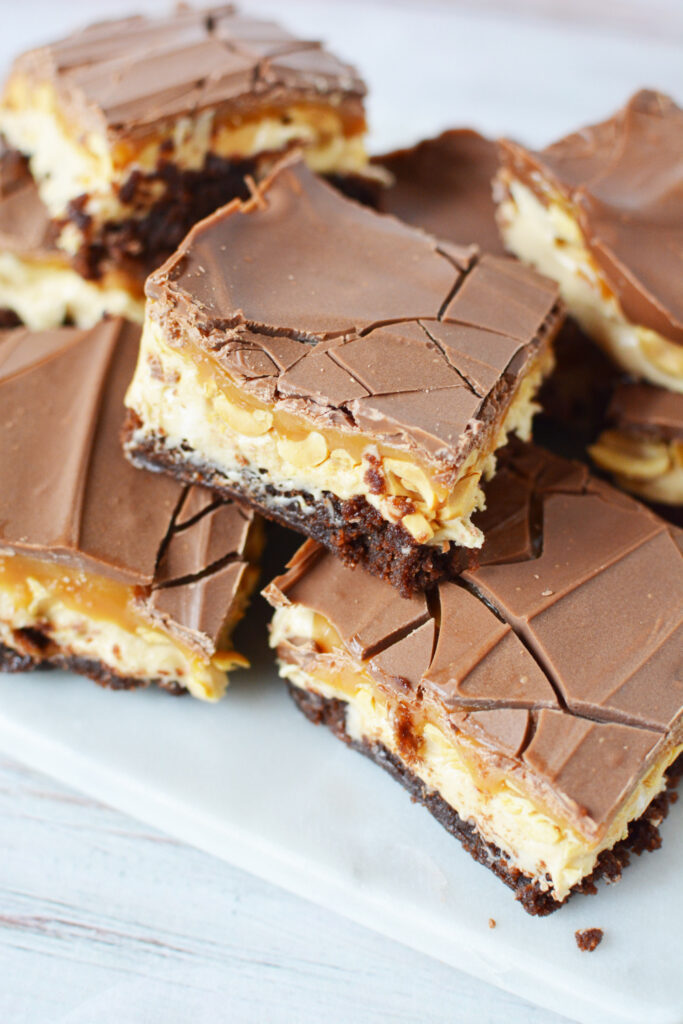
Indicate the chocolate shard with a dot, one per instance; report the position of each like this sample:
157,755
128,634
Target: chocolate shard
76,497
479,662
502,298
24,220
392,360
591,763
200,546
444,185
406,661
195,610
506,729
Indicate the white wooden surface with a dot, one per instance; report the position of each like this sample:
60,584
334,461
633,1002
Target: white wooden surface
105,920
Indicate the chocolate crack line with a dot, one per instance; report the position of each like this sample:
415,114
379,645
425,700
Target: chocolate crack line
196,577
596,714
217,503
468,383
384,643
166,539
457,285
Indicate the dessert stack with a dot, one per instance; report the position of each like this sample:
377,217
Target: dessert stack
485,619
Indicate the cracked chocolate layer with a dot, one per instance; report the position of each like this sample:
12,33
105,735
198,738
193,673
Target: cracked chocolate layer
643,833
561,652
391,377
422,347
87,544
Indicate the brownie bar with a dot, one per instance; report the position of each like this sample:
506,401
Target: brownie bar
643,833
139,126
537,697
386,381
126,577
601,212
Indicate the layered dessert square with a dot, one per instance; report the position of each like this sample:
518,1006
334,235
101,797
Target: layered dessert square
129,578
38,285
534,705
642,445
601,212
346,374
136,128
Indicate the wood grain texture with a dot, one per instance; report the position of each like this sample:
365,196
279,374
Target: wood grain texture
104,920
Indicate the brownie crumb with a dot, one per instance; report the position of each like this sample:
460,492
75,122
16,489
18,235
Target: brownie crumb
492,922
588,939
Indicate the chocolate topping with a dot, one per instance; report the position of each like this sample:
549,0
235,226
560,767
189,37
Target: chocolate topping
125,76
24,220
354,318
624,181
564,652
443,185
67,493
645,410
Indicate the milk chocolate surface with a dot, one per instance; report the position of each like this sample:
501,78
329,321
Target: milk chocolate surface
68,495
24,220
123,77
355,319
624,180
443,185
563,651
645,410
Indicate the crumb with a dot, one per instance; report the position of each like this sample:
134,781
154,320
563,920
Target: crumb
588,939
492,922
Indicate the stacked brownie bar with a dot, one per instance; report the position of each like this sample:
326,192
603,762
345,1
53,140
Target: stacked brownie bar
135,129
485,619
344,373
115,141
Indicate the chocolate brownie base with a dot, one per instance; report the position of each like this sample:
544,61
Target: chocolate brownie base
188,197
8,318
352,530
13,661
643,833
